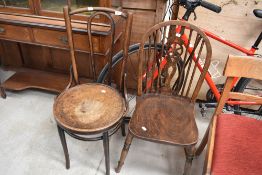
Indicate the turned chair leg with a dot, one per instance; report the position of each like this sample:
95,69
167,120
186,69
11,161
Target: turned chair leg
2,92
203,143
61,133
106,152
124,152
189,151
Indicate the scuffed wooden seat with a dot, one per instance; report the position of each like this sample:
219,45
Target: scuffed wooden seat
89,108
164,118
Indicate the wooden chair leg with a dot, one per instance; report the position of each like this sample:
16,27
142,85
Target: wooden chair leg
61,133
203,143
189,151
124,152
2,92
106,152
123,129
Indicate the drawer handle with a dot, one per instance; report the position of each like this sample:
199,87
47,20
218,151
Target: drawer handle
63,39
2,30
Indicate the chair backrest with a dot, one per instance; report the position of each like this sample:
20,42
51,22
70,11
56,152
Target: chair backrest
176,52
108,17
240,66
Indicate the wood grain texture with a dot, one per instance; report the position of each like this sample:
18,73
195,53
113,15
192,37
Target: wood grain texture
51,34
243,66
14,32
245,97
165,119
89,108
31,79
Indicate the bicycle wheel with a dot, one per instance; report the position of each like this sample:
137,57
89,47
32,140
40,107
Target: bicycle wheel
249,86
131,72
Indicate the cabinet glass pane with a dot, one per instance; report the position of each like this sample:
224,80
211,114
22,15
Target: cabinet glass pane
53,5
84,3
57,5
116,3
14,3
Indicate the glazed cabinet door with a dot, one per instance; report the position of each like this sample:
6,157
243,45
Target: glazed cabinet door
17,6
55,7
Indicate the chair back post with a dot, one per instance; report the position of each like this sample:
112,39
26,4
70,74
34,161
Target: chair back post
126,44
172,59
69,3
71,42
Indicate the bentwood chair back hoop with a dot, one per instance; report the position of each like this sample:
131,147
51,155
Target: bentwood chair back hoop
168,83
94,111
234,141
109,16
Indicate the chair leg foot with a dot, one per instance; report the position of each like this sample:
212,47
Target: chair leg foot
106,152
123,129
124,152
2,92
61,133
189,158
203,143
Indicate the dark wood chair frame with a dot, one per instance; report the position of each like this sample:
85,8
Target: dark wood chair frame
148,85
108,14
237,66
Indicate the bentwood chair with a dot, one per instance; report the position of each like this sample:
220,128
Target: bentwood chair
234,141
93,111
168,85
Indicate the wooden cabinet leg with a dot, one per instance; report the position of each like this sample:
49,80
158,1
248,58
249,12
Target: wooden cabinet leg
124,152
2,92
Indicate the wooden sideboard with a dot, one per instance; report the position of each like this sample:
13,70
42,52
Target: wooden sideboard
146,13
38,47
33,41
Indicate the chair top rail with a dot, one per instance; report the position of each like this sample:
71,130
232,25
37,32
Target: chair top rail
101,9
243,66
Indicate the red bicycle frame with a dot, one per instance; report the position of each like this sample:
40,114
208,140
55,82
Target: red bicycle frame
208,78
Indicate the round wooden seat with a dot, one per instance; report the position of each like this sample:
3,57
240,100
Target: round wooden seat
89,108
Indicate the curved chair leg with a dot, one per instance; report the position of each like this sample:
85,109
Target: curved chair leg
2,92
124,152
106,152
61,133
189,150
203,143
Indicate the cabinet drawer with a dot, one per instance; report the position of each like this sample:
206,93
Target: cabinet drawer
59,39
16,33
